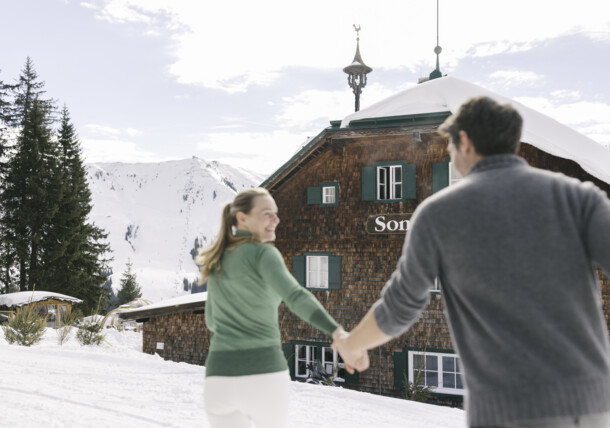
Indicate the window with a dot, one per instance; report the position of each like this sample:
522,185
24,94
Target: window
307,355
389,182
317,272
454,175
436,287
325,194
332,359
444,174
304,356
439,371
328,195
392,181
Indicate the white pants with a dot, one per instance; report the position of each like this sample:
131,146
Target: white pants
239,401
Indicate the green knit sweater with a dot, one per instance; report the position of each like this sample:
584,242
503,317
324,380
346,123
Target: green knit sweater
242,311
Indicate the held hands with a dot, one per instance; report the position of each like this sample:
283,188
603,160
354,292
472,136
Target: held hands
354,358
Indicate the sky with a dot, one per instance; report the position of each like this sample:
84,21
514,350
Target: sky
247,83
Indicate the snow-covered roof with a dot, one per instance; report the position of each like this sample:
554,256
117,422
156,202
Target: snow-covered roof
175,301
448,93
25,297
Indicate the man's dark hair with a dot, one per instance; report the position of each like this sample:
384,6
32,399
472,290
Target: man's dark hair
493,128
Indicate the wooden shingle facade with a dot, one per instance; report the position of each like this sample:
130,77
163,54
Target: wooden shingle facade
174,329
344,201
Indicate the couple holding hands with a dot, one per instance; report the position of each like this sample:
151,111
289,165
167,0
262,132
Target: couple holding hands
514,248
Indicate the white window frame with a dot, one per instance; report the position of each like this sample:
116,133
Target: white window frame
329,195
436,287
315,275
454,175
388,182
330,364
310,357
436,359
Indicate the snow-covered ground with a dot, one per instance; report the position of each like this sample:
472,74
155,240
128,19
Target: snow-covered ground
116,385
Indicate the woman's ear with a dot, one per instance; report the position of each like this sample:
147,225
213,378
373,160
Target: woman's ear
240,217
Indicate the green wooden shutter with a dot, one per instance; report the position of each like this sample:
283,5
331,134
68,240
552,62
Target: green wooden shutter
400,369
408,180
369,183
314,195
298,269
288,349
334,272
351,379
440,176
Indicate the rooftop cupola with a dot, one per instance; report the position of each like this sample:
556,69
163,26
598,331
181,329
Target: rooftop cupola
357,71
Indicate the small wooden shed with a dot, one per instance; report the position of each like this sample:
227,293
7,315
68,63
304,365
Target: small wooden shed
174,328
56,307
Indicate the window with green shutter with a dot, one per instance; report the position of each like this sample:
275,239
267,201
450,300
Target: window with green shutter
318,270
393,181
325,194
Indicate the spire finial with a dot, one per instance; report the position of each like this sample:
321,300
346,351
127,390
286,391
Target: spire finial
357,71
437,50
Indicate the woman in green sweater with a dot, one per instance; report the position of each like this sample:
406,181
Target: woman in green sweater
247,379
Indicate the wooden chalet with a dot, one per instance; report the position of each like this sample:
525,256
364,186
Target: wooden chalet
54,306
345,200
174,329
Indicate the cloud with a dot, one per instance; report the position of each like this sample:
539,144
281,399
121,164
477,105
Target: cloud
308,109
116,150
262,152
104,131
587,117
515,77
232,46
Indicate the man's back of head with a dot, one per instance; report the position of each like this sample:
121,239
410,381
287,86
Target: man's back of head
493,128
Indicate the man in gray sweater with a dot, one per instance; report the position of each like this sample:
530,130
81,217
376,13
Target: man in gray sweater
514,248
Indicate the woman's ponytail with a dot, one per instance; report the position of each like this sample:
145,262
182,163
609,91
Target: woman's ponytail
210,259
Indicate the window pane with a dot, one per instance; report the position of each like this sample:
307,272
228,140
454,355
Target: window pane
397,174
457,365
418,362
431,378
301,351
328,195
302,368
431,362
458,383
328,354
448,380
448,364
382,183
397,191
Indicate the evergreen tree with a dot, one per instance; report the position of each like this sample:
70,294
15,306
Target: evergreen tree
30,195
130,289
30,183
75,255
6,259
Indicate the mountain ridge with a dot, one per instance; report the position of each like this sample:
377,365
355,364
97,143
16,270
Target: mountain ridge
157,214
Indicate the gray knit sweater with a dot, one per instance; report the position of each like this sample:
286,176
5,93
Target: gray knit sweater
515,249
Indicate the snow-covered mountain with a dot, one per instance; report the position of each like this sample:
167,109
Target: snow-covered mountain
156,214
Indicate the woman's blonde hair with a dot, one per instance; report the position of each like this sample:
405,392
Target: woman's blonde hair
210,258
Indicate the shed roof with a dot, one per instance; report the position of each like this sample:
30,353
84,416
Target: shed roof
26,297
188,302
